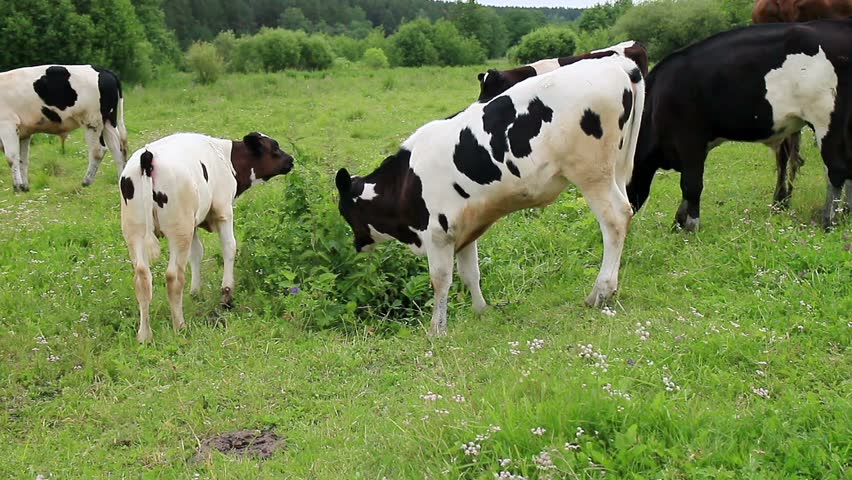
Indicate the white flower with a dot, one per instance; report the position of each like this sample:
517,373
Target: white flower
538,431
431,397
471,448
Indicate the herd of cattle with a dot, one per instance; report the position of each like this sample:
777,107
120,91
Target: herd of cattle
599,120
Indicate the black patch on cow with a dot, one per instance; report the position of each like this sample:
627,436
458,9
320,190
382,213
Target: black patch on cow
55,88
204,171
635,75
127,189
513,168
527,126
51,115
474,161
161,198
442,219
496,118
146,161
109,88
591,124
627,103
461,191
103,143
621,143
586,56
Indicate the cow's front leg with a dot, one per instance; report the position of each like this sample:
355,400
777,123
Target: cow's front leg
229,252
96,153
12,147
196,253
691,185
25,164
832,204
613,212
468,260
441,273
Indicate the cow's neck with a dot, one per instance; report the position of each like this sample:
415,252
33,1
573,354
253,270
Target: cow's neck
241,160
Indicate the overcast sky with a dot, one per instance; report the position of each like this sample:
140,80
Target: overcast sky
541,3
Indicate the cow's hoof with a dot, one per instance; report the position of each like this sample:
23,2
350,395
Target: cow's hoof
16,188
144,336
687,224
437,331
480,309
86,183
599,298
227,298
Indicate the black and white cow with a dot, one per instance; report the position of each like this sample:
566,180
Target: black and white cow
759,83
181,182
453,178
58,99
494,82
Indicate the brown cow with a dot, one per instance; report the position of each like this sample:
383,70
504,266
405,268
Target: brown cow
770,11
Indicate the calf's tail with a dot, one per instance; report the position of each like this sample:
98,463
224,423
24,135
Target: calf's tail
631,133
137,213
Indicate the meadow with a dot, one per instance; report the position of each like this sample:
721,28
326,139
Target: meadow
725,355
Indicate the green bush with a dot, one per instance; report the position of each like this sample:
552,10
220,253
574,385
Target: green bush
226,45
302,253
547,42
347,47
594,39
279,49
375,58
410,46
315,54
205,62
452,47
668,25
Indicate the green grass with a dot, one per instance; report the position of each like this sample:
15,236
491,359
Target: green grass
755,300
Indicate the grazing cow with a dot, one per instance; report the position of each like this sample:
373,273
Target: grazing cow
453,178
58,99
494,82
755,84
769,11
181,182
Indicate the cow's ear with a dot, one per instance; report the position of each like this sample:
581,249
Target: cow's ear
343,181
481,77
254,142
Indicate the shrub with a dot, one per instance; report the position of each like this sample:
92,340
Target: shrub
301,252
226,45
315,53
410,45
347,47
452,47
668,25
547,42
375,58
280,49
205,62
595,39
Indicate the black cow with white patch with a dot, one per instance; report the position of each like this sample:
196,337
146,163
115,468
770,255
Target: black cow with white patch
494,82
57,99
759,83
453,178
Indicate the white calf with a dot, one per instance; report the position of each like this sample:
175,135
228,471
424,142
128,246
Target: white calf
181,182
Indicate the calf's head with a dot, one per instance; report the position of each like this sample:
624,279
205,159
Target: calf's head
492,83
356,211
257,159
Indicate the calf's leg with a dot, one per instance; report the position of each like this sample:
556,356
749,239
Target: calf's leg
96,153
225,227
691,186
441,273
112,138
837,173
196,253
141,279
25,163
12,146
613,212
468,260
787,160
179,246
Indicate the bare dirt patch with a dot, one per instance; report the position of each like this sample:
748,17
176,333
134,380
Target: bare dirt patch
256,443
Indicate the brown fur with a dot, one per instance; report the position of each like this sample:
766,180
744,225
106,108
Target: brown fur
770,11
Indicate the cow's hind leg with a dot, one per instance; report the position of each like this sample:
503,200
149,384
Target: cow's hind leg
141,280
441,274
613,212
692,154
112,138
787,160
196,253
12,147
837,173
180,240
468,260
96,152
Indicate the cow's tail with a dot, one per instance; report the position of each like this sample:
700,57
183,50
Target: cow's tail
631,133
137,213
122,129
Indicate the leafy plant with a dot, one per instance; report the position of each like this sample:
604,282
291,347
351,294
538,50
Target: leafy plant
205,62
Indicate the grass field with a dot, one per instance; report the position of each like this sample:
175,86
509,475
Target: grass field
726,355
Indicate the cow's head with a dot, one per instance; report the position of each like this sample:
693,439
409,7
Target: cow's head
258,159
492,83
351,189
